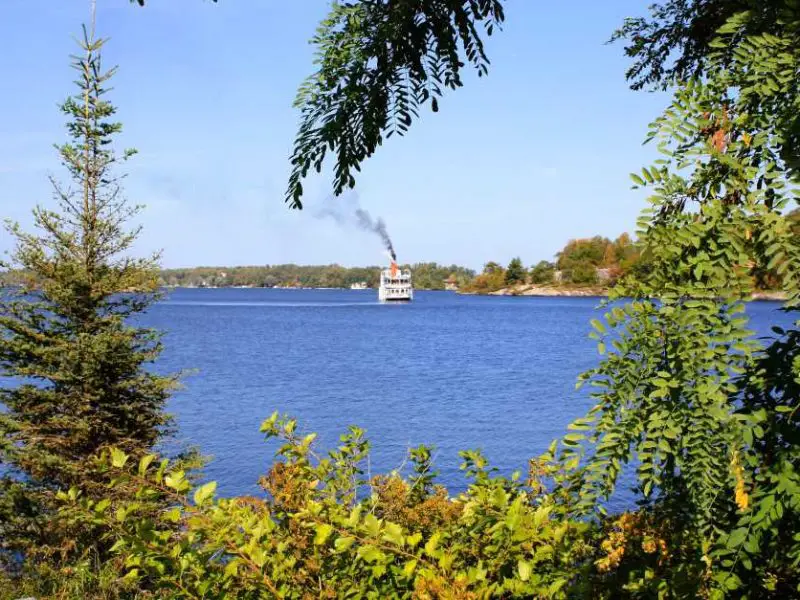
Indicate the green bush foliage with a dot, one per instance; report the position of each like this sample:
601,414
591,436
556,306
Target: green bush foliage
542,272
492,278
580,259
322,530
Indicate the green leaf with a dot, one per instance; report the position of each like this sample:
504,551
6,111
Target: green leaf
370,554
598,325
144,463
258,556
355,515
573,438
432,544
177,481
343,543
408,568
736,538
578,425
231,569
323,531
204,492
118,458
173,515
698,270
524,570
372,524
268,424
392,532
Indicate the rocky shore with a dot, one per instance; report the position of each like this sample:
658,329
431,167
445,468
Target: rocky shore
590,292
770,296
543,290
548,290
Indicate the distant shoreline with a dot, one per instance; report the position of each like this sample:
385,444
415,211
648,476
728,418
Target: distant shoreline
517,291
281,287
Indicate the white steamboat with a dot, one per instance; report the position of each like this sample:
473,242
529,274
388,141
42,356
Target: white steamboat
395,285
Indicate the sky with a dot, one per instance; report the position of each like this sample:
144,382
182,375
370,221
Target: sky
513,164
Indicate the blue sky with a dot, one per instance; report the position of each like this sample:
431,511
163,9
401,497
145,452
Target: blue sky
513,164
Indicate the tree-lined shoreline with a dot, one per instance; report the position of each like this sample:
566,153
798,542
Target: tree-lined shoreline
426,276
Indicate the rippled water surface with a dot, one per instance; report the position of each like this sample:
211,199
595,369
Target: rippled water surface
453,371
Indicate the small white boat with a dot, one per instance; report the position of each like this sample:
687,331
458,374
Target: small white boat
395,285
361,285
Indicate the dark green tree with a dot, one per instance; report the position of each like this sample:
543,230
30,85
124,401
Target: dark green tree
78,377
543,272
582,274
515,273
492,267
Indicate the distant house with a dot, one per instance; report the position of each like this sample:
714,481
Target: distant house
451,284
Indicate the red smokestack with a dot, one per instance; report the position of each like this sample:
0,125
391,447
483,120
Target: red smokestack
394,269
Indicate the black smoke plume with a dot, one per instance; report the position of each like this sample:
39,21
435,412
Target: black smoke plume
363,219
365,222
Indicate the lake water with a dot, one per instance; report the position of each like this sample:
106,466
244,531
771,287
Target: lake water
458,372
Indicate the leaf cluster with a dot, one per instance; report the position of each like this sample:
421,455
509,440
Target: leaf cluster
378,63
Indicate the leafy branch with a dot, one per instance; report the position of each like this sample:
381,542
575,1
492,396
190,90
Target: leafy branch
379,62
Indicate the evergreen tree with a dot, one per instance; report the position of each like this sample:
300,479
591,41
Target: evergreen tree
74,367
515,273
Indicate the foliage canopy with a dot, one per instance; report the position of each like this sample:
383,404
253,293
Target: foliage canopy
706,410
